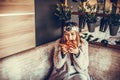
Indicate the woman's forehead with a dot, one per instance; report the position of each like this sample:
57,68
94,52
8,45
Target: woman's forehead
71,31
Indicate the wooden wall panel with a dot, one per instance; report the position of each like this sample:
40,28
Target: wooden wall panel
17,30
16,6
16,33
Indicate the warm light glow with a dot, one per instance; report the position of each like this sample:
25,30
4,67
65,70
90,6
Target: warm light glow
16,14
65,3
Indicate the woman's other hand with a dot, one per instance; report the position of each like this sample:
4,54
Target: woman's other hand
74,50
64,48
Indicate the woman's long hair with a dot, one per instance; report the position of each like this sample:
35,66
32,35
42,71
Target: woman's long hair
78,40
63,41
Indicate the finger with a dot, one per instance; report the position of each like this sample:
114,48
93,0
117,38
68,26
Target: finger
71,51
71,48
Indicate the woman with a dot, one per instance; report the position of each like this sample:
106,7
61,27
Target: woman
71,56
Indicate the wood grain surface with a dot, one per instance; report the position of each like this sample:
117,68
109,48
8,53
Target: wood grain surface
17,30
16,6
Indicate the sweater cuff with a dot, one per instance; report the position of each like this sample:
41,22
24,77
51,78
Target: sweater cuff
76,55
62,54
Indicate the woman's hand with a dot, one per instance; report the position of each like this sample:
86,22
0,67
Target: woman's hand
74,50
64,50
69,49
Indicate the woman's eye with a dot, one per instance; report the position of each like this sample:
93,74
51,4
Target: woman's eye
72,34
66,34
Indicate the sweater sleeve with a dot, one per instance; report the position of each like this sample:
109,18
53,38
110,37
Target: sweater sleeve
59,58
83,58
86,55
